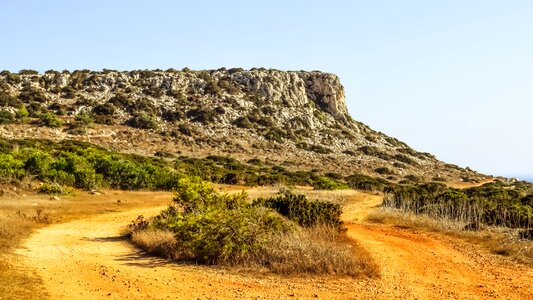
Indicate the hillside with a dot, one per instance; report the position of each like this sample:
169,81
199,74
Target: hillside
296,119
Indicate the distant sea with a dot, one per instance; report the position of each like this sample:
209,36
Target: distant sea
524,178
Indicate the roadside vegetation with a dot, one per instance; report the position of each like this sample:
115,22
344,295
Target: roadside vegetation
491,204
86,166
285,234
503,241
496,216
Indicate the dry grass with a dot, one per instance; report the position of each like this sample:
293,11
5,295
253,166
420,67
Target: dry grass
317,250
155,241
497,240
15,282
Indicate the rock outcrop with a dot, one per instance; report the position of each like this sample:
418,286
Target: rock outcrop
295,118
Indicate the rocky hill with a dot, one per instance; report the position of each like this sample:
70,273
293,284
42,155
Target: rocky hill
296,119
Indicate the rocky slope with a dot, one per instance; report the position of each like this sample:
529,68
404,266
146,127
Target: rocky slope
296,119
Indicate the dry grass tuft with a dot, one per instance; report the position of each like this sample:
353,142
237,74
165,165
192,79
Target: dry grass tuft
15,282
156,241
319,250
498,240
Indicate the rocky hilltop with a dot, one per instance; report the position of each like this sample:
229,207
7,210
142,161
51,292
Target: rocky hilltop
296,119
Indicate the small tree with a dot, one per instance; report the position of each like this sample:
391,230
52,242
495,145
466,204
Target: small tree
6,117
82,122
50,120
143,121
22,114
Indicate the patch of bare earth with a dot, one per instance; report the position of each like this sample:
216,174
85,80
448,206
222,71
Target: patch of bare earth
428,266
22,212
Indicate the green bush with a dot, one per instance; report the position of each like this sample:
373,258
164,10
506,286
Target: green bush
384,171
314,148
105,109
301,210
144,121
243,122
202,115
11,168
489,204
28,72
212,228
31,94
55,162
172,115
22,114
6,117
82,122
325,183
367,183
53,189
6,99
49,120
405,159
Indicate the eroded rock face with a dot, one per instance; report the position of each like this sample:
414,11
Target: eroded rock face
293,116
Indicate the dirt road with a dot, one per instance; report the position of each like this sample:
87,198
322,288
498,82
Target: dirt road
427,266
88,259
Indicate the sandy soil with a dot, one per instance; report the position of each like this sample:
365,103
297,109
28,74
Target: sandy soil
88,259
428,266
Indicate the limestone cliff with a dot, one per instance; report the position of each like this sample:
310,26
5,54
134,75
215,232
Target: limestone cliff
295,118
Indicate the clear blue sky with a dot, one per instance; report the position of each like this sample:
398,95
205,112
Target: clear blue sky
454,78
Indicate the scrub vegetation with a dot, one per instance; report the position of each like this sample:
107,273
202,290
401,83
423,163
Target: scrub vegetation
285,234
491,204
87,166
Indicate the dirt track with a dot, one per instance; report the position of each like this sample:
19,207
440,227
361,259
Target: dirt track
428,266
88,259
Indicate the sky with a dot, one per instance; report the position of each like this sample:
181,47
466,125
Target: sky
453,78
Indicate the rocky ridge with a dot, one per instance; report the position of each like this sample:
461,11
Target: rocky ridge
293,118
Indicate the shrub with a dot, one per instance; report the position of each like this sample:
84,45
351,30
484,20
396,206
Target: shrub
243,122
366,183
172,115
301,210
11,78
405,159
28,72
488,204
68,92
22,114
30,94
314,148
10,168
202,115
53,189
185,129
325,183
206,227
120,100
6,117
49,120
275,134
374,151
82,121
6,99
144,121
104,109
212,228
